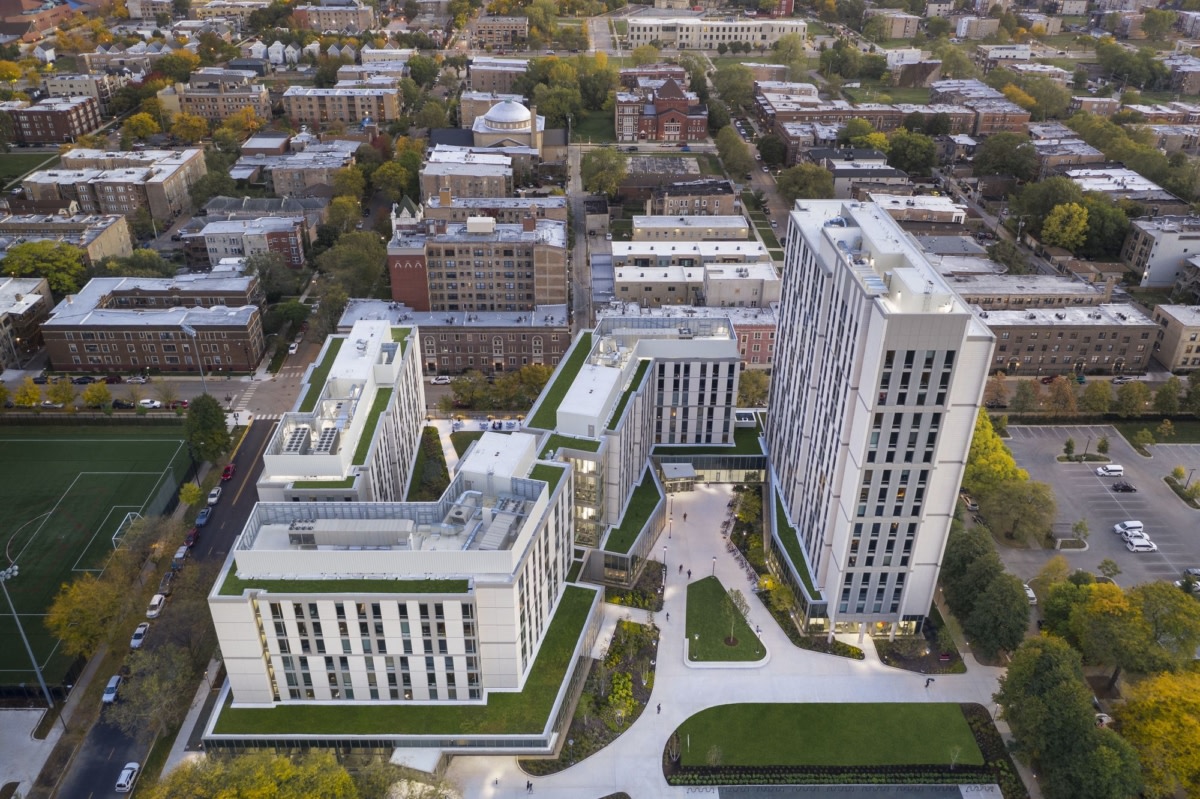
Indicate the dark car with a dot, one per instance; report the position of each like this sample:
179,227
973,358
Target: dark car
41,380
122,405
192,537
1048,379
995,403
113,379
1124,488
82,380
203,516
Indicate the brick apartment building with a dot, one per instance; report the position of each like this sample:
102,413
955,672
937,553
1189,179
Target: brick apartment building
500,31
237,238
101,86
662,113
707,196
312,106
335,15
55,120
216,94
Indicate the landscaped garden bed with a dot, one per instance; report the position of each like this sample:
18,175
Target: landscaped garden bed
932,652
646,594
614,696
716,628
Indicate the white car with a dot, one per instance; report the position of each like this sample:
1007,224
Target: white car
1121,528
139,635
1141,545
1029,593
440,380
293,348
156,606
137,379
1111,470
111,690
1122,380
214,496
151,404
128,777
1134,535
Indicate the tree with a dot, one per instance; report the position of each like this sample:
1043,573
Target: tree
1171,625
344,213
1061,397
62,392
392,180
772,149
1156,23
422,70
1069,447
602,170
1166,399
1131,399
178,65
1020,509
150,705
1161,720
28,394
855,128
432,115
213,184
97,395
1010,255
356,263
191,494
734,153
914,153
1000,617
265,775
1028,396
646,54
82,613
1108,226
1006,154
805,182
970,560
1097,396
191,128
205,429
1165,429
1107,629
1066,226
989,461
349,182
61,264
140,126
736,608
752,388
735,84
996,391
1102,445
1037,200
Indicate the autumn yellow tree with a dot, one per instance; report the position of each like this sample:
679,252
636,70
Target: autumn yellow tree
139,126
191,128
989,462
28,394
1161,718
1019,96
82,613
1066,226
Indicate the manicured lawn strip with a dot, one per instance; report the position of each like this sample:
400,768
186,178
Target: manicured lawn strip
791,544
595,127
505,713
643,502
18,165
833,734
557,441
400,336
234,585
1187,431
745,442
347,483
431,474
316,383
382,397
776,255
708,626
642,366
463,439
549,473
621,229
547,415
768,237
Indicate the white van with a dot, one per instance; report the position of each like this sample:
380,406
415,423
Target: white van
1111,470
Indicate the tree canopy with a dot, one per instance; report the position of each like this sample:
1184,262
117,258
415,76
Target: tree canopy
602,170
61,264
805,182
205,429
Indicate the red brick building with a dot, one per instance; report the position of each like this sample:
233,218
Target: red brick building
631,75
408,271
55,120
660,111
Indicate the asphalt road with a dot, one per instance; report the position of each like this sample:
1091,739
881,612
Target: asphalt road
95,769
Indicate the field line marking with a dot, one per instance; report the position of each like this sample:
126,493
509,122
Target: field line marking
52,511
90,541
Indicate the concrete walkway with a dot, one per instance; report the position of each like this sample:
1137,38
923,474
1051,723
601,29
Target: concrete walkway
633,762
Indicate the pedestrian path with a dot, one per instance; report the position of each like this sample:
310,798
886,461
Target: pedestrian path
241,402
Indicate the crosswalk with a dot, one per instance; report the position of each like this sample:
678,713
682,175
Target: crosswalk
241,407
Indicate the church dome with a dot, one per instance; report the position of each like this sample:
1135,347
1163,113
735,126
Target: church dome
508,115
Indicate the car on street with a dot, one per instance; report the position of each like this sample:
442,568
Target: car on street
50,404
137,379
1121,528
1134,535
1111,470
1122,380
971,505
1048,379
293,348
766,169
1029,594
181,404
440,380
203,516
164,585
1141,545
41,380
1123,487
155,608
150,404
1188,585
114,379
192,537
123,405
128,777
82,380
110,691
228,472
214,496
139,635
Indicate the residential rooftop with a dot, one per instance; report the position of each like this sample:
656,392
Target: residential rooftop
1187,315
721,251
1118,314
399,314
19,294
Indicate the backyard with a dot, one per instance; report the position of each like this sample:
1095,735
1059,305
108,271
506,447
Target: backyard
17,165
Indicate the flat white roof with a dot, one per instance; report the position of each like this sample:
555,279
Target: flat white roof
1119,314
697,221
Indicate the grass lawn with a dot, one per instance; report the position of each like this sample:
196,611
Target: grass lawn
463,439
431,475
791,543
622,27
831,734
710,164
316,382
597,126
1186,432
872,91
768,237
643,502
504,714
234,586
547,416
745,442
18,165
621,229
638,375
708,609
556,442
64,492
382,397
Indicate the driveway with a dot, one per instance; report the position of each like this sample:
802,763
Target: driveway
1082,494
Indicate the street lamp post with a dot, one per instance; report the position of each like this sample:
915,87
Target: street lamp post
664,556
188,330
1189,480
6,575
714,570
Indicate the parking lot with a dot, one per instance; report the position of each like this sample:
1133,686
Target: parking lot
1082,494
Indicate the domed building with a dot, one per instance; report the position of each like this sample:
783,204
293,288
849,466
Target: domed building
509,124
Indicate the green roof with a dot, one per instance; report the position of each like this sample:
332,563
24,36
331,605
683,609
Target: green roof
383,396
791,544
557,441
510,713
642,366
400,335
234,585
546,417
548,472
316,383
643,502
346,483
745,442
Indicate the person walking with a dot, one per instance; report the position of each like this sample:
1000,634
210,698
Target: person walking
528,786
668,617
689,574
660,708
681,568
928,681
685,517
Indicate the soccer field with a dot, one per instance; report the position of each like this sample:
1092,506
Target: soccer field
65,493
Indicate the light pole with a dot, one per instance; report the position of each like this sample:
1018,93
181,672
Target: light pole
188,330
664,557
6,575
1086,447
1189,480
714,571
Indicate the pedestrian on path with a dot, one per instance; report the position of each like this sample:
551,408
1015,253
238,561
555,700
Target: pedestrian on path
928,681
689,574
660,708
685,517
668,617
681,568
528,786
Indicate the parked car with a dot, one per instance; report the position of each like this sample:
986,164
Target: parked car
151,404
971,504
165,584
82,380
1124,488
1111,470
123,405
293,348
1124,527
50,404
214,496
41,380
182,404
139,635
1122,380
1141,545
1048,379
1134,535
203,516
1029,593
155,608
228,472
128,777
113,379
440,380
138,379
192,537
1188,585
110,691
1192,572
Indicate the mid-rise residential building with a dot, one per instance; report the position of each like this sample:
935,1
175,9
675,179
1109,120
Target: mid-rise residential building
1117,182
124,324
24,304
754,328
879,373
1100,106
1156,248
470,175
976,27
149,9
313,106
695,33
100,86
920,208
349,16
293,173
1100,339
1054,154
897,24
239,10
56,120
314,210
488,31
103,182
505,210
216,94
1177,342
717,285
661,111
690,227
97,236
1018,292
1006,55
138,57
706,197
486,74
1049,72
241,238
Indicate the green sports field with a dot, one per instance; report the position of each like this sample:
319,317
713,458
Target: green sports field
65,493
